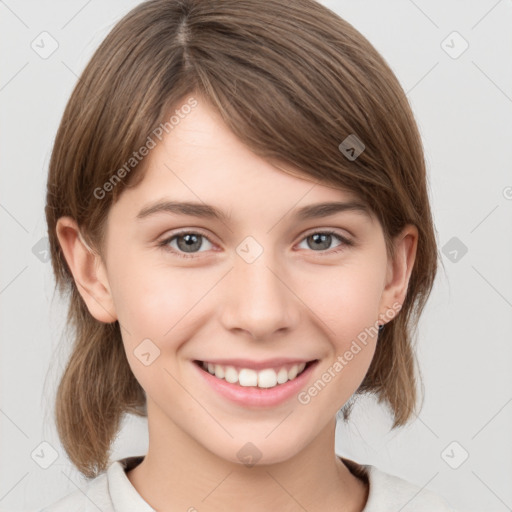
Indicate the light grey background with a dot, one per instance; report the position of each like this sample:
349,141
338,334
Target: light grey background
463,107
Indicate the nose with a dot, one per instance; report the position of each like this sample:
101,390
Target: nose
258,298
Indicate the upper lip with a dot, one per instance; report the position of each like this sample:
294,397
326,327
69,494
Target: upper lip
258,365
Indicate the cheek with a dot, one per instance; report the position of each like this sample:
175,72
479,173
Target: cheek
345,298
346,309
158,301
154,300
157,304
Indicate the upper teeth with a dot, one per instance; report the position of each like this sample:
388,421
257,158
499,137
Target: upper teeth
267,378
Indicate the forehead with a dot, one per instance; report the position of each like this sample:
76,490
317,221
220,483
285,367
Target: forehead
200,160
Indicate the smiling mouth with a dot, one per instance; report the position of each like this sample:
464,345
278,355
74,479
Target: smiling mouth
264,378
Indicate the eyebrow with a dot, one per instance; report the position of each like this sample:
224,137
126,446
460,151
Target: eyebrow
203,210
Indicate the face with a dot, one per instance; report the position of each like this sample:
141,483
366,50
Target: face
259,288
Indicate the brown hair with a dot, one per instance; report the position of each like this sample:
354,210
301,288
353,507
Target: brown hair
292,81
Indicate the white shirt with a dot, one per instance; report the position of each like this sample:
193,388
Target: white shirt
112,491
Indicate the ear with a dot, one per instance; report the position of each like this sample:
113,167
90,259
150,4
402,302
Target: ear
399,270
88,271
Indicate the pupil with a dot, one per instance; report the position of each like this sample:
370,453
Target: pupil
321,237
190,240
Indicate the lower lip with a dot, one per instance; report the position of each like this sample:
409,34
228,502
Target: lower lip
254,396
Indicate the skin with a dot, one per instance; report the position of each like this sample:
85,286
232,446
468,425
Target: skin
294,300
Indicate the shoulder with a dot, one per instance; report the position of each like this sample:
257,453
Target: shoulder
94,496
389,493
108,492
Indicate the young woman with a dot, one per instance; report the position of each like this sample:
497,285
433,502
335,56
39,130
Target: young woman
237,204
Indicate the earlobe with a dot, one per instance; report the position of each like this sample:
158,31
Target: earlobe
88,271
400,269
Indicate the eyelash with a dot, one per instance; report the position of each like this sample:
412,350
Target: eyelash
164,243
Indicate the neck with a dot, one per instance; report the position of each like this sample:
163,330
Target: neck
180,474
